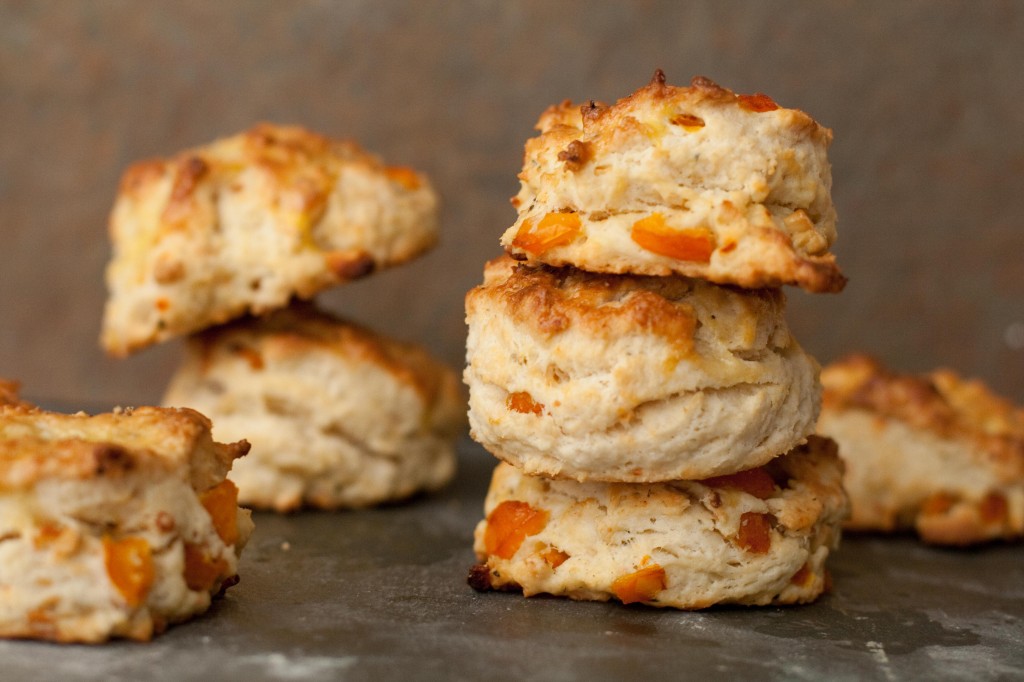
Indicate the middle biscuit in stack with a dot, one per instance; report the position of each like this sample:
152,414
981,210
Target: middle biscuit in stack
655,416
600,377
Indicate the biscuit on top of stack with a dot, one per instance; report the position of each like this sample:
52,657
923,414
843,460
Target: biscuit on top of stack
219,243
634,370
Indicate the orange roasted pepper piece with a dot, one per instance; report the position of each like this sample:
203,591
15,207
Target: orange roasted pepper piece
688,121
554,229
509,524
653,234
202,571
758,103
221,503
803,577
406,177
756,482
993,508
643,585
129,564
755,533
48,533
554,557
937,503
521,401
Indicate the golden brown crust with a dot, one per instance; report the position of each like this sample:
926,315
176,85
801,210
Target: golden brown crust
39,445
302,164
601,121
550,300
939,401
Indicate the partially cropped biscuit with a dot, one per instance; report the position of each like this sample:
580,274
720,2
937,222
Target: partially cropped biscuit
696,181
627,378
931,453
756,537
248,222
114,525
337,416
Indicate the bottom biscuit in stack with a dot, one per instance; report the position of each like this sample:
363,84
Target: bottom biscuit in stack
337,415
757,537
114,525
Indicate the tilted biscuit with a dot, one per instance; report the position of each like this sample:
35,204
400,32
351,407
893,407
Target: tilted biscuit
695,181
932,452
337,415
114,525
756,537
248,222
630,378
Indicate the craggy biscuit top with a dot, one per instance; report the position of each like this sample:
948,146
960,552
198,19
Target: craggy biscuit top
37,445
297,169
658,109
939,401
696,180
676,309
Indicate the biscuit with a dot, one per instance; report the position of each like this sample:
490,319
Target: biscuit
337,415
114,525
932,453
757,537
695,181
629,378
248,222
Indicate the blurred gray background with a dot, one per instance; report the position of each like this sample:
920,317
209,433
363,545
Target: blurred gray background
926,100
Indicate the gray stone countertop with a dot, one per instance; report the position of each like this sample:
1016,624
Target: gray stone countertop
381,594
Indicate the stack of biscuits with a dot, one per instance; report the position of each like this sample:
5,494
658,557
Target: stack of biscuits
629,362
227,243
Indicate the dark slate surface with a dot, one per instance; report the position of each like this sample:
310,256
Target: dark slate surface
381,595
